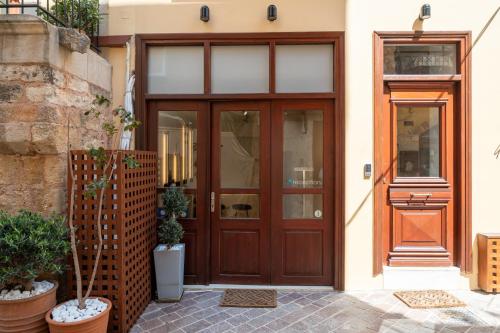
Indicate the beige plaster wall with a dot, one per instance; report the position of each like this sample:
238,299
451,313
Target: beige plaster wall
167,16
364,17
117,57
359,19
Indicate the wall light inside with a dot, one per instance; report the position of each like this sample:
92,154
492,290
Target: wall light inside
204,13
425,12
272,13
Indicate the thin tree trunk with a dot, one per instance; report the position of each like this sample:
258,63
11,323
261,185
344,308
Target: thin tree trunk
27,284
74,252
111,162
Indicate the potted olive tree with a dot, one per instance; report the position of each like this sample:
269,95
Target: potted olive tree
30,246
169,254
86,313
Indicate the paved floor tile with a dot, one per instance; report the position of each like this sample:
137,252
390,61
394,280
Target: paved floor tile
197,326
218,328
150,324
321,312
260,321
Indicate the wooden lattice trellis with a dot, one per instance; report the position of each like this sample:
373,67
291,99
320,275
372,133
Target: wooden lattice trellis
129,234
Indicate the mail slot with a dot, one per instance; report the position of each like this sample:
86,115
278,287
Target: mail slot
413,195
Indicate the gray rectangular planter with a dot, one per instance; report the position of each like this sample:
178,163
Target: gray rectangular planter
169,266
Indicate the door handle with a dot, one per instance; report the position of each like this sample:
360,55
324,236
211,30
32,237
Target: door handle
412,194
212,202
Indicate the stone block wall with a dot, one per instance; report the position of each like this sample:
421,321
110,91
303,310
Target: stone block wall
44,91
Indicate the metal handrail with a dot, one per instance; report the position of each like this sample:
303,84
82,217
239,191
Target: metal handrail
7,5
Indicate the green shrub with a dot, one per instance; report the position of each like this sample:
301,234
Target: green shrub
175,204
170,232
79,14
30,245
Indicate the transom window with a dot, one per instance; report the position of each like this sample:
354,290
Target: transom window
241,69
175,70
420,59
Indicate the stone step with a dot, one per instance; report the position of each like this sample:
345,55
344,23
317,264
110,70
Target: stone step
418,278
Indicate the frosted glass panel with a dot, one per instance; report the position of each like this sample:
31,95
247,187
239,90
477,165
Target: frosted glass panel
304,68
240,69
175,70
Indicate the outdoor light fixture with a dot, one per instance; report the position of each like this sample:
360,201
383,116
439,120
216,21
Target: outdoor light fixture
204,13
272,13
425,12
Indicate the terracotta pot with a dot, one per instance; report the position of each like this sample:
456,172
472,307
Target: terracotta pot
97,324
27,315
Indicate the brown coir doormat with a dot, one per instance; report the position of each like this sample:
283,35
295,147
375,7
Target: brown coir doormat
249,298
426,299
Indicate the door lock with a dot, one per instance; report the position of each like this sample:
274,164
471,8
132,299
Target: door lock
212,202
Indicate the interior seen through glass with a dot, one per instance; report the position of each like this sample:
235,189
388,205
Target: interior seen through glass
302,206
303,148
240,149
177,148
239,206
418,131
177,154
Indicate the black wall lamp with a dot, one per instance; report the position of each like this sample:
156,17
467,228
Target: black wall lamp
272,13
425,12
204,13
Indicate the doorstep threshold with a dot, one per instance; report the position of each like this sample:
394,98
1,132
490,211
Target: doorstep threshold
195,287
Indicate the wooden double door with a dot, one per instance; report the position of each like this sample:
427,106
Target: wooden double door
272,192
260,183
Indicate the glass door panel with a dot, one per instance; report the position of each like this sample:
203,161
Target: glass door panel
302,192
240,149
303,148
240,192
418,132
178,132
177,154
238,206
302,206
